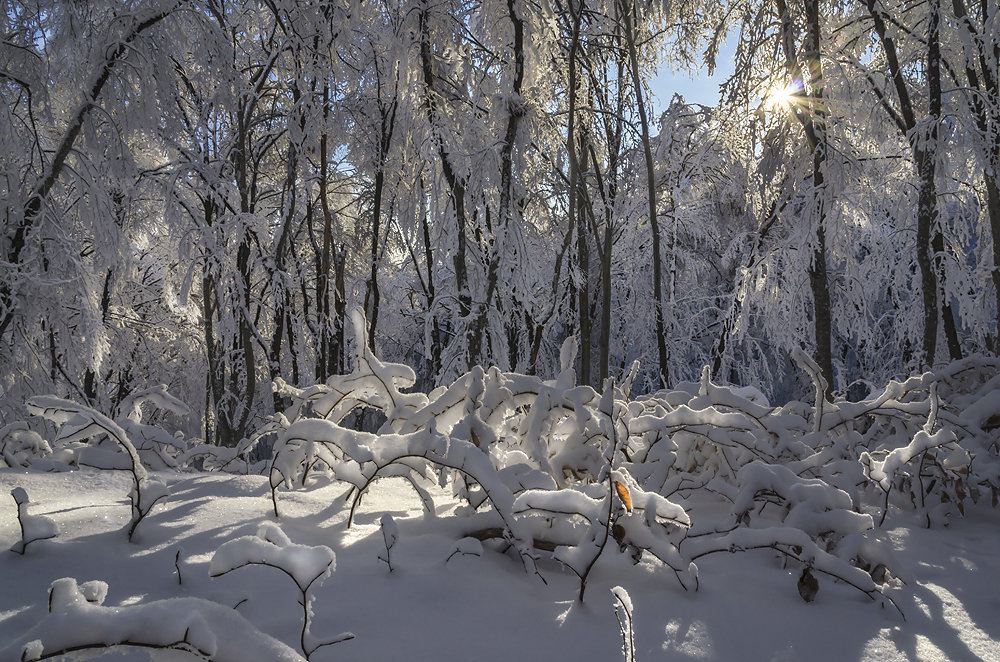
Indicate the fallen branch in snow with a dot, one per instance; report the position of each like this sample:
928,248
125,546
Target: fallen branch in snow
796,545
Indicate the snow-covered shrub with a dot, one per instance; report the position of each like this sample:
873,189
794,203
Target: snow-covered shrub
80,443
33,527
77,620
22,447
307,566
157,448
555,468
78,422
930,444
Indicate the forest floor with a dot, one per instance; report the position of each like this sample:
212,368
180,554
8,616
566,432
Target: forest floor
485,608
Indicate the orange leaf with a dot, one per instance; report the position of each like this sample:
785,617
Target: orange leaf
624,495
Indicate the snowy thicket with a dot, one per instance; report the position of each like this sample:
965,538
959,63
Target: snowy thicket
554,469
557,474
549,467
571,303
77,619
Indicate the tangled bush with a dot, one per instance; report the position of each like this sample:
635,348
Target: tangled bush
555,468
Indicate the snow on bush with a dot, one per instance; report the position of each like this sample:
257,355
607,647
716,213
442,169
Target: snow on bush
79,422
22,447
77,620
555,469
87,437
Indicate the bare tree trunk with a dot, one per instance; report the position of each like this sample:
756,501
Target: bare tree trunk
930,241
325,362
537,328
583,264
218,424
575,187
434,360
515,111
985,89
811,115
654,226
372,295
818,278
456,191
925,155
90,377
388,127
282,300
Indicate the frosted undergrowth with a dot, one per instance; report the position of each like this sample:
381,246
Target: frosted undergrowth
559,473
550,468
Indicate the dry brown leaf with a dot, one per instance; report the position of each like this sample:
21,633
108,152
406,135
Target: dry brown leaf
624,495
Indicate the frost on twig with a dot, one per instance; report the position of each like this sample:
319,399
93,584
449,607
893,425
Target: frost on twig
467,546
623,611
33,527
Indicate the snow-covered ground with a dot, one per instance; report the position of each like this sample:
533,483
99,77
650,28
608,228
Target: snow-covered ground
478,607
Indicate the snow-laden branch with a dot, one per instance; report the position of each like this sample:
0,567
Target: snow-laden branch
307,566
77,620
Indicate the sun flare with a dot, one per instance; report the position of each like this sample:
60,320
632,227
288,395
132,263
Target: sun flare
783,97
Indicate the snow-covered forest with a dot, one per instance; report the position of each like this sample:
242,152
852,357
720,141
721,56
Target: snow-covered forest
440,294
198,193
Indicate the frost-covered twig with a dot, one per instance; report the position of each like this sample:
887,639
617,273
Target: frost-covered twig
623,611
582,557
390,534
795,544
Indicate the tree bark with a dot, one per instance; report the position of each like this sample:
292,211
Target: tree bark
456,192
924,149
663,358
515,111
810,112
